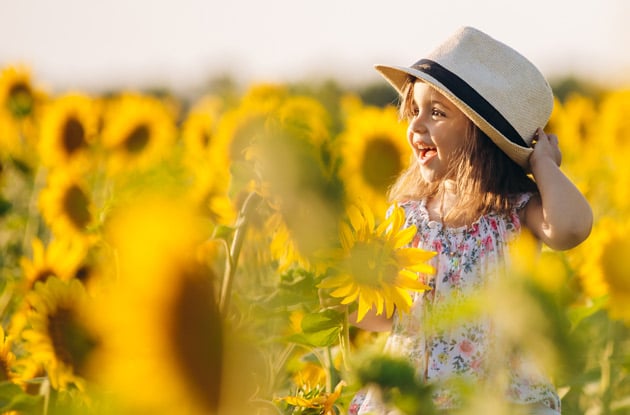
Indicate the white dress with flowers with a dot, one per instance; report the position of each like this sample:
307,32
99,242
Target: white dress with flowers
467,258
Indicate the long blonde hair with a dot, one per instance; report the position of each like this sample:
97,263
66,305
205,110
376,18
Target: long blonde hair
486,178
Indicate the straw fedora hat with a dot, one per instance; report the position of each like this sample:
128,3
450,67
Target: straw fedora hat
501,91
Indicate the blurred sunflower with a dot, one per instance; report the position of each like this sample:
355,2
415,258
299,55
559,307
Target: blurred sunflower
66,205
313,400
7,357
209,191
374,151
138,131
9,135
374,268
162,329
199,130
236,130
283,248
264,96
307,118
62,258
602,271
68,129
18,97
57,336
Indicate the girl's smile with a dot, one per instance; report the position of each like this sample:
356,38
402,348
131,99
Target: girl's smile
437,129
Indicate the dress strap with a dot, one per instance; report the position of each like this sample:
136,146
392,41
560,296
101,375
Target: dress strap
521,199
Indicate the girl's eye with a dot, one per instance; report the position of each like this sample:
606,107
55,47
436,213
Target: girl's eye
437,113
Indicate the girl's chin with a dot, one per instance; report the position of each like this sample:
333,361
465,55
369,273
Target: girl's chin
430,175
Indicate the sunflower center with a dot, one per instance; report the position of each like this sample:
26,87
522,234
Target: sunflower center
372,263
43,275
138,139
205,139
380,163
20,101
71,342
73,136
75,204
4,370
197,336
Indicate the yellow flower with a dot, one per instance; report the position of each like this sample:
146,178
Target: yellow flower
315,398
69,127
17,95
615,273
66,205
10,143
306,117
375,268
138,131
58,337
160,323
62,258
7,357
236,130
198,130
374,151
283,248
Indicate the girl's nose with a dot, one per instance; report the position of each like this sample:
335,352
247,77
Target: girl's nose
417,124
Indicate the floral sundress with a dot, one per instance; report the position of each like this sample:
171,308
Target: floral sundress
467,258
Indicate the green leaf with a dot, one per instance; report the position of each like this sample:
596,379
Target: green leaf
322,338
327,319
578,313
13,398
223,232
5,206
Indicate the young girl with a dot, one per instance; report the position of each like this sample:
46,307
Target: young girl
482,170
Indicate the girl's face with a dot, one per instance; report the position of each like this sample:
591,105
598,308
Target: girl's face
437,129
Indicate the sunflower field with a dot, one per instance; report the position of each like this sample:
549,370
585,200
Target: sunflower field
169,255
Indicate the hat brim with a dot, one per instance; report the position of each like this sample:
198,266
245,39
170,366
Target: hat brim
398,76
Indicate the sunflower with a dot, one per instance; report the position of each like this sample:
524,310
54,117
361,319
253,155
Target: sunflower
374,151
138,131
374,268
57,335
199,129
283,248
17,95
236,130
7,358
62,258
9,135
159,317
307,118
209,192
313,400
66,205
602,273
69,127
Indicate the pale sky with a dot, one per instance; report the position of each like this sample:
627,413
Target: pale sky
75,44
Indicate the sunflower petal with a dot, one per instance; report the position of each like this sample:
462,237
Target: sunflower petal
354,214
364,307
404,236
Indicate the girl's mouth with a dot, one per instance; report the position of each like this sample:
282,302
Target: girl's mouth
426,154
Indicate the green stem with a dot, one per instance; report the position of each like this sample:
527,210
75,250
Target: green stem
609,365
344,340
237,243
32,220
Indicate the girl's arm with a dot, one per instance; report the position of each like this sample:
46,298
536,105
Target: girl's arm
561,217
371,321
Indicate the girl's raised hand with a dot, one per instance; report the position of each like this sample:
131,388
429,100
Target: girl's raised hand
545,147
